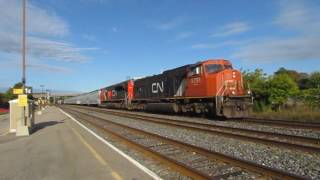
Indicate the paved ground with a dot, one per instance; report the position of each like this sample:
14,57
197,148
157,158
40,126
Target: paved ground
61,149
4,124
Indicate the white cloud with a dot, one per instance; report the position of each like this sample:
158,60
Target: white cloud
14,63
171,24
297,15
273,50
293,16
43,48
232,29
42,28
39,21
50,68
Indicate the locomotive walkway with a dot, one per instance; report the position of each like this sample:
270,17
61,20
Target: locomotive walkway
62,149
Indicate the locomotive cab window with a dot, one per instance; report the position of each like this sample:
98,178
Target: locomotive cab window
228,66
212,68
195,71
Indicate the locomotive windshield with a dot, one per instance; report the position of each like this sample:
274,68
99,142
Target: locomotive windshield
212,68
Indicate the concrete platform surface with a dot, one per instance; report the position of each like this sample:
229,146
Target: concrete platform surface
61,149
4,124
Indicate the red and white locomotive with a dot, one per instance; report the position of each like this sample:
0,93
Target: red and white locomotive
209,87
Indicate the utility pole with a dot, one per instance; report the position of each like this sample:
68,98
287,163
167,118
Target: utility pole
24,44
42,86
24,56
23,127
42,97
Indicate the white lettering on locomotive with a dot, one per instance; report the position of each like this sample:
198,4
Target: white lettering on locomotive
195,81
157,87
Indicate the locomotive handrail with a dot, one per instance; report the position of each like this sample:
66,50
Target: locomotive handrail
223,85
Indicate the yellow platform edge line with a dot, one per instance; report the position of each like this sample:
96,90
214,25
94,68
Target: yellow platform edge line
96,154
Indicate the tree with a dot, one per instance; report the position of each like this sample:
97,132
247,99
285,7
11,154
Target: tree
257,81
9,94
1,99
305,83
315,80
281,87
302,79
311,97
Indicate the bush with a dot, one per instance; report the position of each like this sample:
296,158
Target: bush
311,97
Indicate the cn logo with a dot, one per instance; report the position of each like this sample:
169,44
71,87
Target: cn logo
157,87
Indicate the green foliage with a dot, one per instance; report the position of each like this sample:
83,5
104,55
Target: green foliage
281,87
311,97
9,94
294,75
4,98
310,81
315,80
271,90
304,80
256,81
275,90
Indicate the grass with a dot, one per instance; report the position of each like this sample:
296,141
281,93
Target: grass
302,115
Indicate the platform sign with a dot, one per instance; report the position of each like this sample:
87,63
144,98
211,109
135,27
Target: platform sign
17,91
23,100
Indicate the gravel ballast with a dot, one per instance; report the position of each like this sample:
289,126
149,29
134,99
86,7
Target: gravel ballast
296,162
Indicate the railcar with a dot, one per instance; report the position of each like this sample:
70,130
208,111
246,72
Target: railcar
90,99
209,87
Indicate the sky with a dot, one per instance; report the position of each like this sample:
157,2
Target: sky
82,45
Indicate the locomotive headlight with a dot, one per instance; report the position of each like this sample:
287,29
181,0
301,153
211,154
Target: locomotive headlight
234,74
249,92
233,92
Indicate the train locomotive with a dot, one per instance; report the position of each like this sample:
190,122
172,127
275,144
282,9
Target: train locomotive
209,87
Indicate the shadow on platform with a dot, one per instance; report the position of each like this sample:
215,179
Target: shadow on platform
43,125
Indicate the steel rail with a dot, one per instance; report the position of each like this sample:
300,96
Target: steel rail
175,165
255,136
284,123
245,164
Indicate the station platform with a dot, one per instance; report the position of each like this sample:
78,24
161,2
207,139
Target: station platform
61,149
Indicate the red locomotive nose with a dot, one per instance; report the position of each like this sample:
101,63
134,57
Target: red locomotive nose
232,82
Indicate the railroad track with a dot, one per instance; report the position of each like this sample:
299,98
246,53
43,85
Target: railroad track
189,160
305,144
284,123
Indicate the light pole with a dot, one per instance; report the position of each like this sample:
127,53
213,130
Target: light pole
42,97
23,44
42,86
24,57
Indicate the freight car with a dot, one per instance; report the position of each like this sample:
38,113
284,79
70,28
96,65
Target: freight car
209,87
